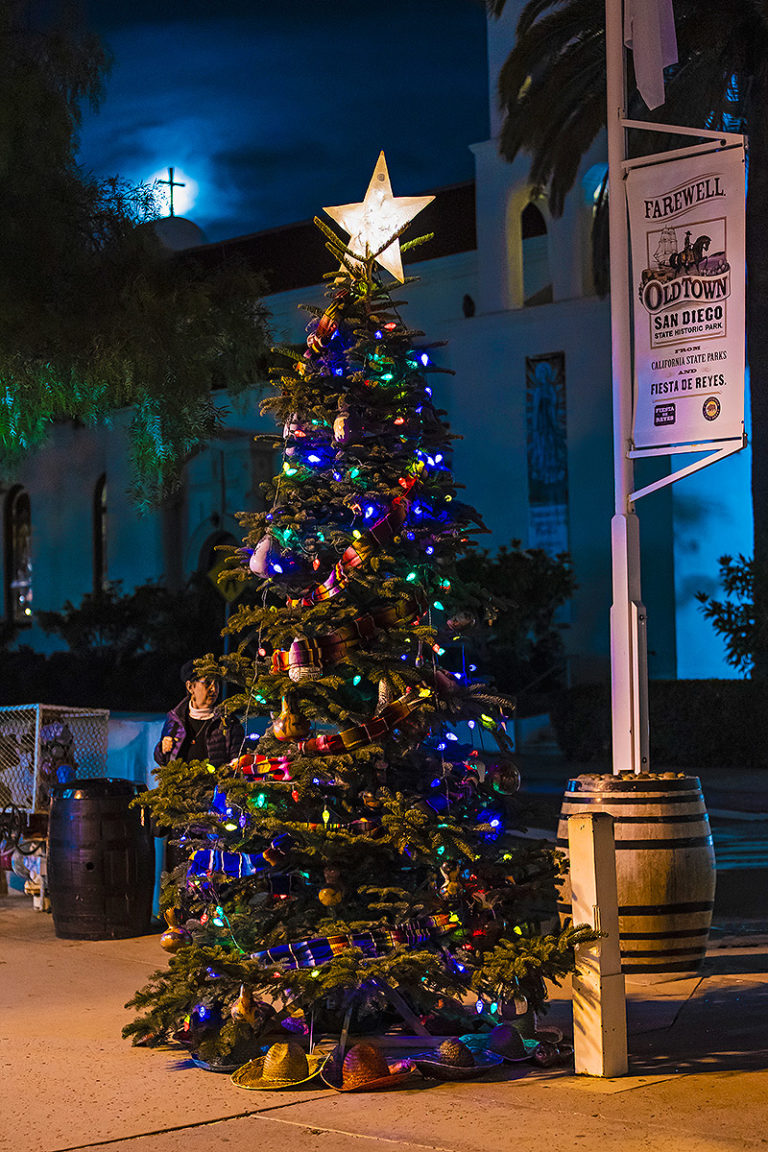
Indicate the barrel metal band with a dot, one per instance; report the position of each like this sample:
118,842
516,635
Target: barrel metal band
671,818
575,785
669,966
647,845
665,909
612,798
660,953
682,934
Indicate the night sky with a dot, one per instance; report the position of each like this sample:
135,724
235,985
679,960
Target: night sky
275,110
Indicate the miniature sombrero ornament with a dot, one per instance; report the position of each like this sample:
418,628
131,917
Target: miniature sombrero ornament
363,1069
281,1066
454,1060
504,1041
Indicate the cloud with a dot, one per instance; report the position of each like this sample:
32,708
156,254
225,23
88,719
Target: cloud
278,111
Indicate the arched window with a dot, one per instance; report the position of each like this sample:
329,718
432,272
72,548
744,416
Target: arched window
100,534
537,281
18,556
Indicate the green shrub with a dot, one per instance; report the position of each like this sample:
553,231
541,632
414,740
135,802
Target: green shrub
694,723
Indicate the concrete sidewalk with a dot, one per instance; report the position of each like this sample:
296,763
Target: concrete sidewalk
699,1070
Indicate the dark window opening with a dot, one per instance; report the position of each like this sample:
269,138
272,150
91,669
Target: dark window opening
18,556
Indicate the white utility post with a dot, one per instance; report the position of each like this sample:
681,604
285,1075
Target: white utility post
629,672
599,1005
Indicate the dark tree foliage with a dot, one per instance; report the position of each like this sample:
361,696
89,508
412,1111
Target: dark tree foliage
734,617
521,648
124,649
94,314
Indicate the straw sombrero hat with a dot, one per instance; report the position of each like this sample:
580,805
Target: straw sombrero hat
454,1060
548,1054
281,1066
363,1069
504,1041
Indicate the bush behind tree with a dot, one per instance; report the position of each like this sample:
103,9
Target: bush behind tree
124,649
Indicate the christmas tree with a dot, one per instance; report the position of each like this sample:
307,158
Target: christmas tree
357,868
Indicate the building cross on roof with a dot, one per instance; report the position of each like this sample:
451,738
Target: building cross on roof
171,185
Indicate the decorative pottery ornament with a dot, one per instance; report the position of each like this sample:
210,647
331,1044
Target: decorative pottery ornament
175,937
462,622
303,661
245,1007
452,887
275,857
504,775
259,562
290,725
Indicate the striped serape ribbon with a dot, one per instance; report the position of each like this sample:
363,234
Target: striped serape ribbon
234,864
382,532
373,943
350,738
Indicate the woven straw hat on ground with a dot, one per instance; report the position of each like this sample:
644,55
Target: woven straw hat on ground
453,1060
282,1066
363,1069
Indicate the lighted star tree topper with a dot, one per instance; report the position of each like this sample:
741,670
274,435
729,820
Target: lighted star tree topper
379,217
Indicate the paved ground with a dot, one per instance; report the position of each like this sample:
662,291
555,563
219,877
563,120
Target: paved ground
698,1074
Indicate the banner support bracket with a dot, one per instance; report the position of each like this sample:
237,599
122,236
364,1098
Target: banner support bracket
728,450
679,130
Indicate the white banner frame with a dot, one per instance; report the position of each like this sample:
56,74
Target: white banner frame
689,438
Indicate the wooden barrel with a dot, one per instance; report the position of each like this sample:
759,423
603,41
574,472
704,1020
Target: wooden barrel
665,867
101,861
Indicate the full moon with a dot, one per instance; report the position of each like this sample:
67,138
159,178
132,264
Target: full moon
185,191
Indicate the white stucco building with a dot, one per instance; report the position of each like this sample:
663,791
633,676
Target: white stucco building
510,291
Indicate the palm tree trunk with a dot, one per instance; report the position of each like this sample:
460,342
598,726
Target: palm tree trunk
757,354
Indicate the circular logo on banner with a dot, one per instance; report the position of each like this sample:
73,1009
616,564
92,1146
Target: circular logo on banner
711,408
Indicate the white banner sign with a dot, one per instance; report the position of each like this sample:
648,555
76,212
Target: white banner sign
686,220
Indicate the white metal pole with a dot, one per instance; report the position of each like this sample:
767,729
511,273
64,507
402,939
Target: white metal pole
629,688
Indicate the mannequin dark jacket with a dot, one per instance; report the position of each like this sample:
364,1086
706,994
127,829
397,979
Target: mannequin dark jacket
223,743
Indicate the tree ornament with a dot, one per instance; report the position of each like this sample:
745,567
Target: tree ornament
296,426
175,937
345,427
374,221
329,897
452,887
290,725
321,331
304,660
245,1007
503,774
274,856
386,695
263,554
332,876
462,622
